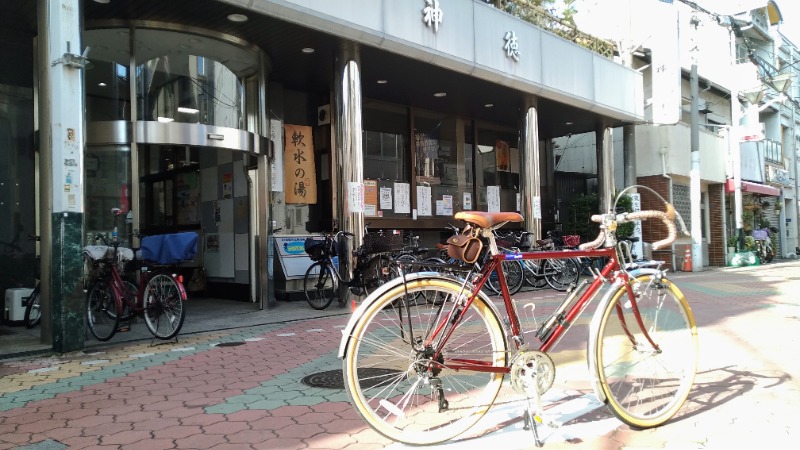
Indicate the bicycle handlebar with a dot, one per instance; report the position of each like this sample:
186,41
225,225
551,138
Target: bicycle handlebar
609,222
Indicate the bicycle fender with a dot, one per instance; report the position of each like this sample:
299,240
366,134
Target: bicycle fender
594,328
375,295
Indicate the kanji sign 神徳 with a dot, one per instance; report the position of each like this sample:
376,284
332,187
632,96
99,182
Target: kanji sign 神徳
300,176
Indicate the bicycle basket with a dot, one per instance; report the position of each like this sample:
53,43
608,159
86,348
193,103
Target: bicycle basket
380,242
170,248
316,248
571,240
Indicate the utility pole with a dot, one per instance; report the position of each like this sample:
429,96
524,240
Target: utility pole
694,172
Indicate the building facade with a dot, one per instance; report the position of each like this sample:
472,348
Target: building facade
249,122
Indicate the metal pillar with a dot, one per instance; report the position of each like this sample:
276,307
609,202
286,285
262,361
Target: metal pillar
62,138
629,154
349,154
530,179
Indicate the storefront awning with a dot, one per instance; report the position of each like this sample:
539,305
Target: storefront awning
753,188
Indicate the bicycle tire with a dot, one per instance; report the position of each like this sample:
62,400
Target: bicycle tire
164,310
33,310
515,277
380,361
624,356
561,273
319,285
102,310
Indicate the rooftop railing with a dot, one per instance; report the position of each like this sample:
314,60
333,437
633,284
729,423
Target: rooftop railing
528,11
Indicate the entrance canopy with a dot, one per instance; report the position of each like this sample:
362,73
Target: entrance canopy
753,188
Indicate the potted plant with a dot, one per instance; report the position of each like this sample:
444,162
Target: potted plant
733,241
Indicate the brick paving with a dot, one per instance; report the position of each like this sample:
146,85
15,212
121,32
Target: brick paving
197,394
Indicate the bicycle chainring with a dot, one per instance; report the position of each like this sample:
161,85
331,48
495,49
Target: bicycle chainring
532,368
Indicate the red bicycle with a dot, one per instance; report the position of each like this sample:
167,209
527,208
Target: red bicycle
425,355
158,296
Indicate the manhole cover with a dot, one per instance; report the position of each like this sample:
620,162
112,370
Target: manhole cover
230,344
332,379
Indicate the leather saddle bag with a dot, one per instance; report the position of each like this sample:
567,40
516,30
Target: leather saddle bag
464,247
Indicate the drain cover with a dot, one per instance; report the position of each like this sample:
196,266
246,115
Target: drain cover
230,344
333,379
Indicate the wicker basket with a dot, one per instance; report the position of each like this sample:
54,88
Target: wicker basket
380,242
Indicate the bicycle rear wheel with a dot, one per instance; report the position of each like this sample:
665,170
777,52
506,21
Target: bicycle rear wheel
398,383
102,310
33,310
319,285
164,311
645,385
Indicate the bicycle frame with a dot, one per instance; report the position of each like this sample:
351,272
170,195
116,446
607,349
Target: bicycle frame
560,321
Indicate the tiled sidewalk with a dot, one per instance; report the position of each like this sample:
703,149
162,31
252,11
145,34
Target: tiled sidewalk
197,394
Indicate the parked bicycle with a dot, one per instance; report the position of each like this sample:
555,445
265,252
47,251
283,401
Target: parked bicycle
33,302
763,242
373,266
422,372
159,295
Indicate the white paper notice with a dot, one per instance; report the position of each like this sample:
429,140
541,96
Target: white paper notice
402,198
467,201
493,198
355,197
537,207
447,205
386,198
439,207
518,200
424,201
369,210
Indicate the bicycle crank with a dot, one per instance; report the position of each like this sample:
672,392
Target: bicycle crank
532,374
532,368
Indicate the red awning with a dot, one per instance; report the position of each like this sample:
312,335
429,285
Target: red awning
753,188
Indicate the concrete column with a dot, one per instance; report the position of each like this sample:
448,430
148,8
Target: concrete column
62,138
605,166
530,179
629,154
348,156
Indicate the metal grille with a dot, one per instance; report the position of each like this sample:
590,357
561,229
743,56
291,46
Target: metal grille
682,201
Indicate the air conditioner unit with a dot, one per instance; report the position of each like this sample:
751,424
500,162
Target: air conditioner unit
324,115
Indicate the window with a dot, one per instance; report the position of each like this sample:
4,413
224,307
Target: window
385,141
498,163
443,165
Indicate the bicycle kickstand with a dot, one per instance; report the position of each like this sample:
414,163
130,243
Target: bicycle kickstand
533,418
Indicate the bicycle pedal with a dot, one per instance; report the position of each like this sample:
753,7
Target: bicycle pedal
124,329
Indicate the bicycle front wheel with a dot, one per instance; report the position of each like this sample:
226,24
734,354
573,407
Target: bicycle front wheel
33,310
319,285
646,352
164,311
400,378
102,310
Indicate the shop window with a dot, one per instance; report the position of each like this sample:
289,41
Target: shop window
443,165
386,179
497,167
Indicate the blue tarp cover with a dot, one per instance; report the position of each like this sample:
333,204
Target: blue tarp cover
170,248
